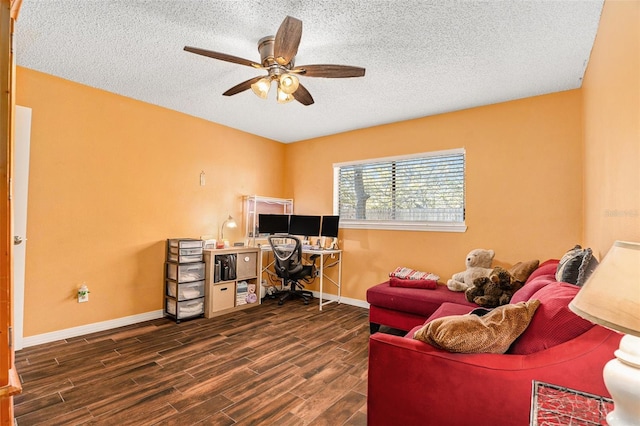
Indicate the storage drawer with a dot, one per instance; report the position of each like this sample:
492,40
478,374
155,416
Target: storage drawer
185,243
223,296
185,291
185,251
185,272
246,265
190,258
185,309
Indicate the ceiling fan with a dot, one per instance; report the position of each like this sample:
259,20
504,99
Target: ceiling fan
277,56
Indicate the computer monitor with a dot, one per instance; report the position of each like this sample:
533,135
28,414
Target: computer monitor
273,223
330,226
307,226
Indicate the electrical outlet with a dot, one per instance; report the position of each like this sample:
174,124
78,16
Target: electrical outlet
83,294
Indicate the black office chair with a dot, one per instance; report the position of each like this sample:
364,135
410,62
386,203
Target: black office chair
288,265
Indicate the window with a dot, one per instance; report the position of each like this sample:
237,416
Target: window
417,192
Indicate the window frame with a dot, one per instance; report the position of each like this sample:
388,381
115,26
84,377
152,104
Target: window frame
398,225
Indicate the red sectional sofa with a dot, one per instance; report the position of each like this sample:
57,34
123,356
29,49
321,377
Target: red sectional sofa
413,383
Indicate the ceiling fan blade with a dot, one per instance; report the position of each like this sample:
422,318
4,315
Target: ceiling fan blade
222,56
287,40
303,96
242,86
329,71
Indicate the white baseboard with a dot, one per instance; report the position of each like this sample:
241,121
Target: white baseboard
345,300
134,319
89,328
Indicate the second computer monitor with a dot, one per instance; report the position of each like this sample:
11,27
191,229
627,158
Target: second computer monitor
330,226
307,226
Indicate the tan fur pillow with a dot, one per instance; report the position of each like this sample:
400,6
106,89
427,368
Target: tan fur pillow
521,270
491,333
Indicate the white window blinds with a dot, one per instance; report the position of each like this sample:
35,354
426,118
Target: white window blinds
423,191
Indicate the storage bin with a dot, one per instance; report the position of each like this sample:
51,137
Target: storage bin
185,309
246,265
223,297
185,243
185,272
185,291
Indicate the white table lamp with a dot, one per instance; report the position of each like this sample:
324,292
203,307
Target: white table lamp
611,298
229,223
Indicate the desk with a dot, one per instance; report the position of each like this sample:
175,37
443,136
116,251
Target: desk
326,258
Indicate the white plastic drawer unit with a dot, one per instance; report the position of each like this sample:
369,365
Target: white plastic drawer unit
185,291
185,272
185,309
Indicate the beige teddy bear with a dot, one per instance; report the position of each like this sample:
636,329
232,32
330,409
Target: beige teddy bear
478,264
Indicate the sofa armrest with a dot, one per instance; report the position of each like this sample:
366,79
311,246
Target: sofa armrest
412,383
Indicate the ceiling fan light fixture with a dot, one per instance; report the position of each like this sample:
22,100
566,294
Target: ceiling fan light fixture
277,58
283,97
261,87
289,83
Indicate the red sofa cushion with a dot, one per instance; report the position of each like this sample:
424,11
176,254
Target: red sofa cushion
424,284
548,267
529,289
415,301
544,275
553,322
447,309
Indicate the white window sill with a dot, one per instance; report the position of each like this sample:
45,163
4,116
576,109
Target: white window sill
405,226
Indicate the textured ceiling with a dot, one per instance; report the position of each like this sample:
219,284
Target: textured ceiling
421,57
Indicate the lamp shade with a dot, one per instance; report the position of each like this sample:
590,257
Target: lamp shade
229,223
261,87
289,83
611,295
283,97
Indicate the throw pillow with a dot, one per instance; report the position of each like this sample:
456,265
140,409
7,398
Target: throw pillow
576,265
522,270
411,274
427,284
490,333
553,322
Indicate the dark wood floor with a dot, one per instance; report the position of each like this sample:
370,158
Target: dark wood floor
284,365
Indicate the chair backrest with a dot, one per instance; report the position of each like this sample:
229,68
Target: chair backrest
287,252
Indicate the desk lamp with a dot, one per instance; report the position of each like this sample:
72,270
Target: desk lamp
230,223
611,298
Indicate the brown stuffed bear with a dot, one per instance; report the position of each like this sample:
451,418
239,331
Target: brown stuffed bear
494,290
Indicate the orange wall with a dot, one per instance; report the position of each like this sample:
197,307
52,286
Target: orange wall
110,179
523,191
611,92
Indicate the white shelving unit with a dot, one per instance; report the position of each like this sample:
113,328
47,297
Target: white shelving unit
254,205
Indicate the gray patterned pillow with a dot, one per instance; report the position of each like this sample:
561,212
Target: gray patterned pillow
576,265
